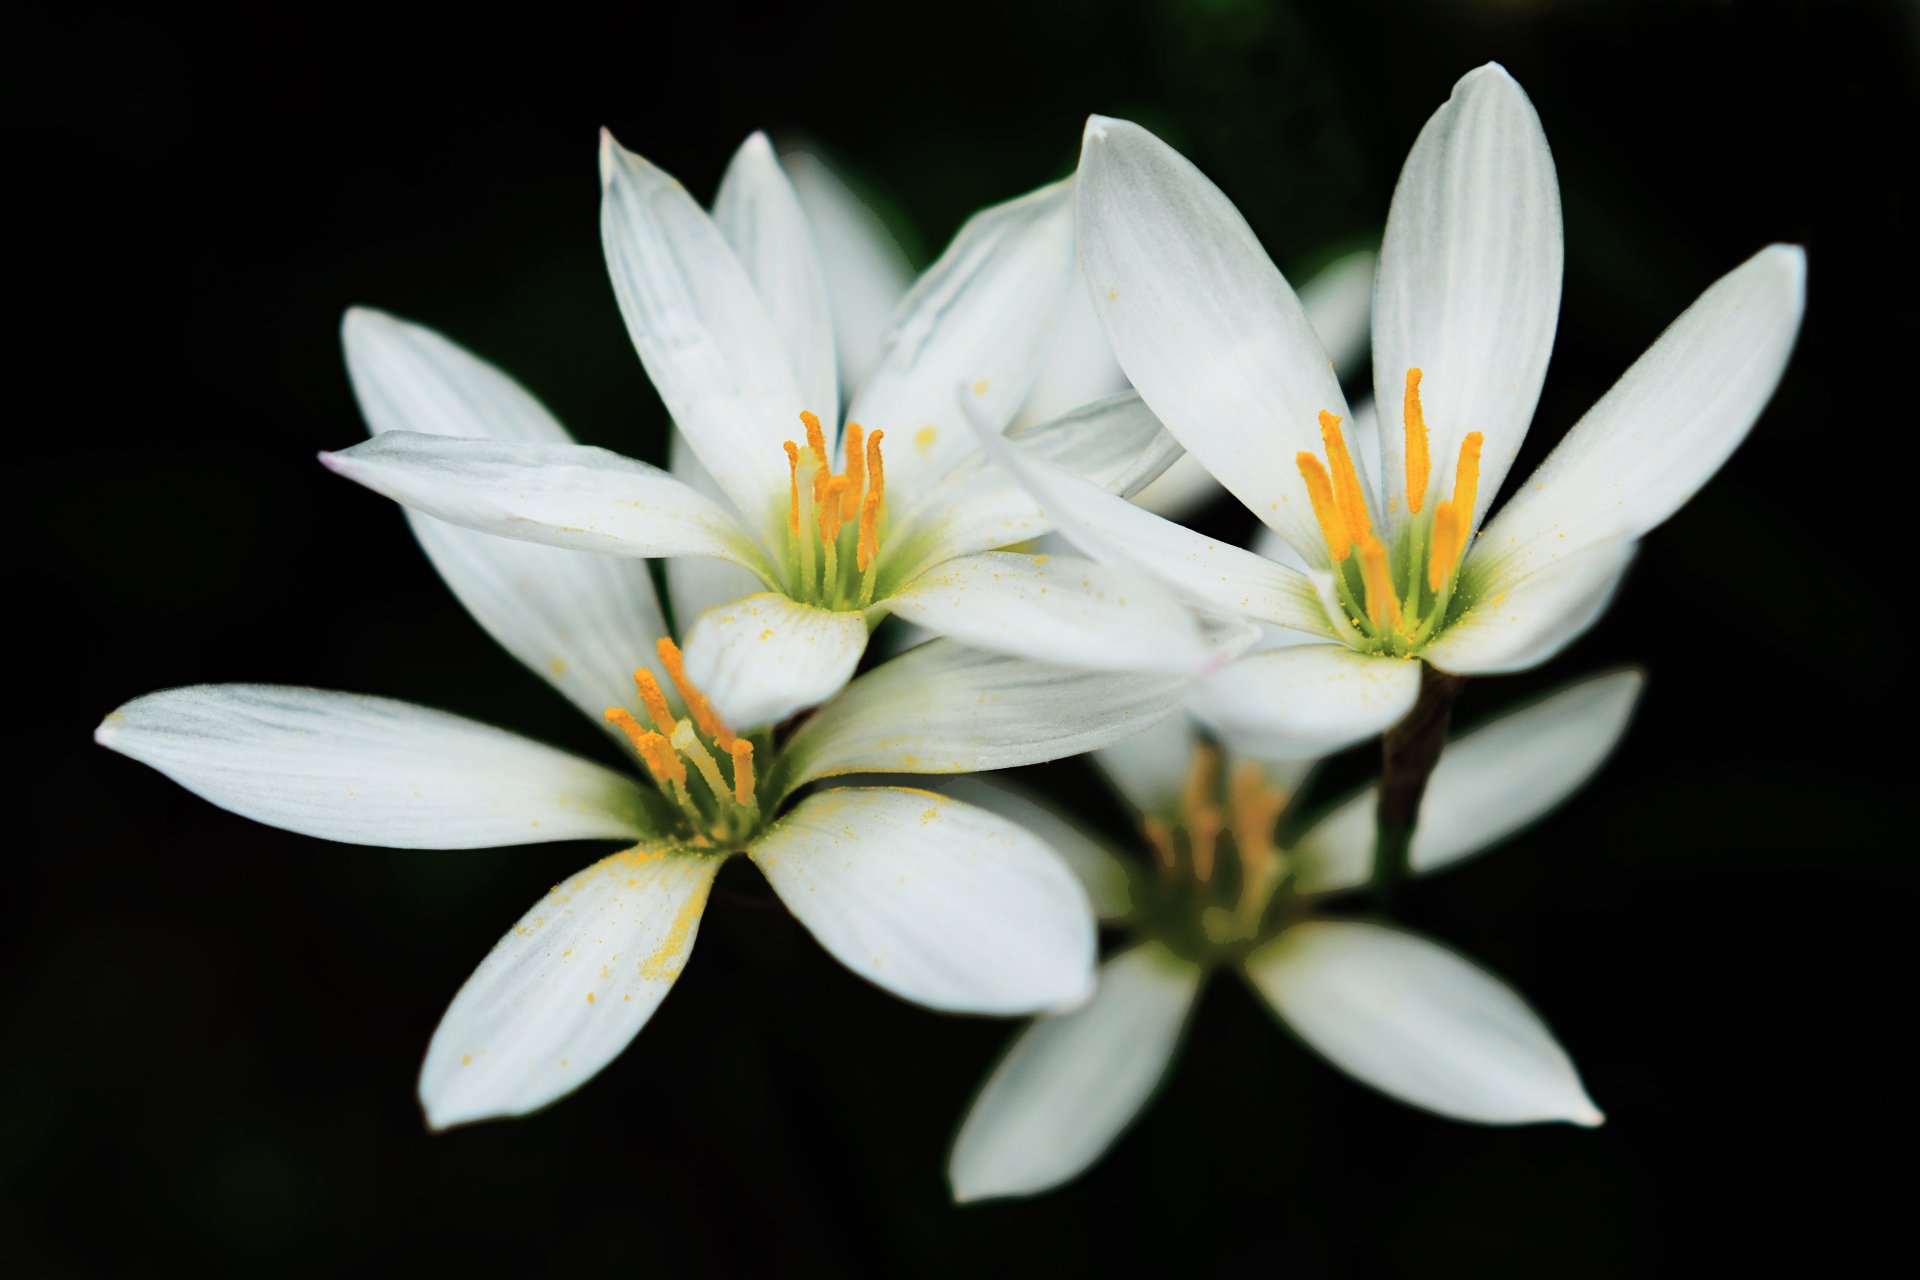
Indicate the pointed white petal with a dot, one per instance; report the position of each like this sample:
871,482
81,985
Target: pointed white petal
760,214
1338,301
1514,625
1205,327
1115,444
1070,1085
866,272
1491,782
980,318
568,988
1058,609
1100,870
1419,1023
945,708
1148,767
696,584
1665,427
559,495
715,356
582,622
1080,367
1305,700
363,770
938,902
763,657
1469,288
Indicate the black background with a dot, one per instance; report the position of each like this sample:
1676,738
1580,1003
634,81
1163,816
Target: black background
212,1027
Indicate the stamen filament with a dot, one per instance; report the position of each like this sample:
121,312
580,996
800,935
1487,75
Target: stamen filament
1419,464
688,744
697,705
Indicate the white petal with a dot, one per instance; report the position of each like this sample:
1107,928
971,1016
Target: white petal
581,621
945,708
1338,301
1491,782
1419,1023
759,213
1101,871
714,354
1071,1083
936,901
1206,328
567,988
559,495
866,272
1053,609
343,766
696,584
1206,572
1305,700
1514,625
1115,444
980,318
1665,427
1080,367
1469,289
763,657
1149,767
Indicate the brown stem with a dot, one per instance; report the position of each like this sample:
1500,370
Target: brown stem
1408,753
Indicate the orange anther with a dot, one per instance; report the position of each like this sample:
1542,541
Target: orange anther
834,492
742,752
793,487
856,473
816,439
1419,465
698,707
1466,480
1347,493
1320,492
870,506
653,700
1445,549
1383,606
662,760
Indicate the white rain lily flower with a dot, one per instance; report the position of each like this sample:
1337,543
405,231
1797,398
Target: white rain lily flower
1396,1011
1387,564
931,898
788,538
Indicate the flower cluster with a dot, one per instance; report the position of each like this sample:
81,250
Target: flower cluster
992,455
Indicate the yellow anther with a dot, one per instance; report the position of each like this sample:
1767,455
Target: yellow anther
793,487
1203,839
661,759
830,496
1419,465
1466,480
653,700
1446,544
1320,493
1160,839
870,505
856,473
697,705
742,752
1203,773
816,439
1383,606
1347,494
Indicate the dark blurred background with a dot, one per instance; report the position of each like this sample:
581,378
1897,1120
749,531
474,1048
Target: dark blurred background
213,1027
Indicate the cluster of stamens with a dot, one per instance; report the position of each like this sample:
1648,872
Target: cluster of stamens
1218,857
717,808
1396,598
835,520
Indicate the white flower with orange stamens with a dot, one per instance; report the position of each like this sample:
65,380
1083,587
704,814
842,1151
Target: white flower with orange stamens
1385,562
933,899
1223,889
788,537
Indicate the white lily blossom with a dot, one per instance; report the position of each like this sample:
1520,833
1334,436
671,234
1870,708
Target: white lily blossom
790,528
1386,564
936,900
1395,1010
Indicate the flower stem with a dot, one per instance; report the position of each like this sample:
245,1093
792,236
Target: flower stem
1408,753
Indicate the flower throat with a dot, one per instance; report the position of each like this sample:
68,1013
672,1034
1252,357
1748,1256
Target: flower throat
719,809
833,521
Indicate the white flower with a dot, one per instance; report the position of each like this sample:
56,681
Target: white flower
1395,1010
1386,565
933,899
789,538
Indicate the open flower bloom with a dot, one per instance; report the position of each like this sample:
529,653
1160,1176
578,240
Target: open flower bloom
1387,564
790,537
1396,1011
933,899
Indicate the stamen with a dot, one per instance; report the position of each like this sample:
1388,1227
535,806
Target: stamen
1419,465
816,439
742,752
833,495
661,759
697,705
1466,480
1446,544
1203,838
1160,838
688,744
1383,606
1197,793
869,545
1320,493
856,473
793,488
653,700
1346,481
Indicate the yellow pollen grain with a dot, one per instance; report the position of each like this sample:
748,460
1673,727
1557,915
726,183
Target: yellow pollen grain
1383,606
1419,464
926,435
1346,481
665,963
742,752
697,705
1320,493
